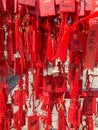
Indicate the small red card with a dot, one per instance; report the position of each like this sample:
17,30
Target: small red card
17,116
33,122
48,83
27,2
60,84
47,7
67,6
16,97
91,47
89,106
88,4
75,44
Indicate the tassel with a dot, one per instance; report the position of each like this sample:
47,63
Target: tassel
3,103
62,123
76,84
21,103
37,83
49,52
48,120
39,45
10,47
19,42
22,64
63,45
1,7
61,29
11,40
61,32
29,41
38,78
28,31
61,120
26,41
17,67
1,39
3,69
83,39
27,85
9,116
10,5
16,120
45,103
86,19
32,43
18,22
93,15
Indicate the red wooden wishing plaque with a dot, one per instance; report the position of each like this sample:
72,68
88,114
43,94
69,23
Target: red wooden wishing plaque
88,4
33,122
67,6
47,7
27,2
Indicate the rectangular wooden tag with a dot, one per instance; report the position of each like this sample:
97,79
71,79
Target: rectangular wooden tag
47,7
92,42
67,5
88,5
27,2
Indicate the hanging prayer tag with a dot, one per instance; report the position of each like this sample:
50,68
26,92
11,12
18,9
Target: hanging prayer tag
75,44
89,106
1,6
33,122
48,83
16,117
60,84
45,103
67,6
27,2
16,97
91,44
88,5
47,7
